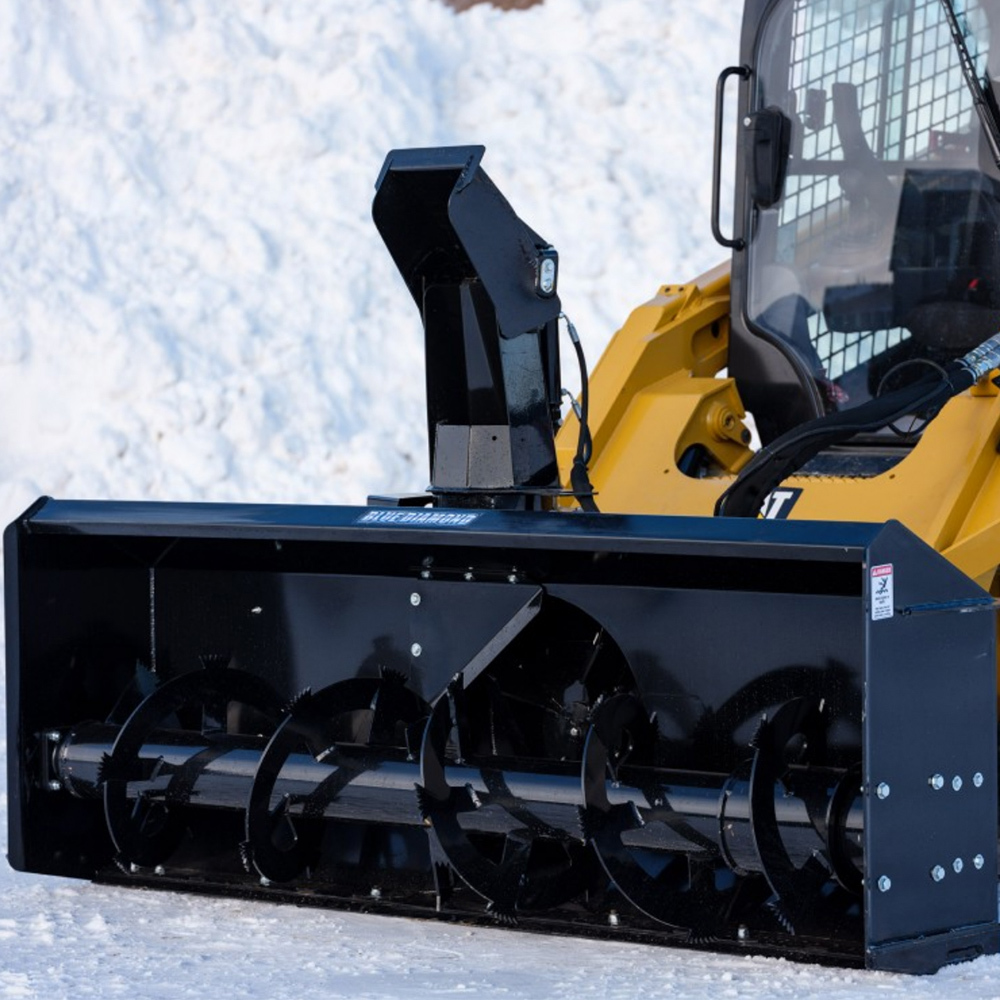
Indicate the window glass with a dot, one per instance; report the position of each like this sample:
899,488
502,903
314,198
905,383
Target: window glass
883,248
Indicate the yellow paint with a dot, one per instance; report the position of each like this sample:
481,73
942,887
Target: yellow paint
657,391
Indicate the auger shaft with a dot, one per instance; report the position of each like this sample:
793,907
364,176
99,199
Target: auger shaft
382,785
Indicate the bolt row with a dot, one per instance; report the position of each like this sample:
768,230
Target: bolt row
937,873
936,781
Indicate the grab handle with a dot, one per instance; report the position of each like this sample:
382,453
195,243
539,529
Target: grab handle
743,72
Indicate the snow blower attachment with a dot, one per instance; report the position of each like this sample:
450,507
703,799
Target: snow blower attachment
729,733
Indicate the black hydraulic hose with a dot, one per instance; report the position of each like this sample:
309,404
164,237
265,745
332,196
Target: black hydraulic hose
579,477
788,453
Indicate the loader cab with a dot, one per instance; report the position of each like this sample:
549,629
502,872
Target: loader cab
867,239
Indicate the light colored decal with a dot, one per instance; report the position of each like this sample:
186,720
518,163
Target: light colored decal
882,605
778,503
418,518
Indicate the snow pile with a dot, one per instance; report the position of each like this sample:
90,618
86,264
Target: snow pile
195,305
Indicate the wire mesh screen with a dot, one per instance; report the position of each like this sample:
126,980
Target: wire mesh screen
912,104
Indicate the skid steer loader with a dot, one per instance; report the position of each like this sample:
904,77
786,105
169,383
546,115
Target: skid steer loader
621,675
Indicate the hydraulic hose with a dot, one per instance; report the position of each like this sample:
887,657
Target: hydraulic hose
788,453
579,476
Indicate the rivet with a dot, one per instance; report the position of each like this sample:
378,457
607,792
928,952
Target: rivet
979,861
956,783
53,736
882,790
957,865
425,574
265,881
55,785
376,893
133,868
884,883
416,649
936,781
468,575
977,779
415,599
937,873
613,918
159,870
748,121
574,731
512,577
743,932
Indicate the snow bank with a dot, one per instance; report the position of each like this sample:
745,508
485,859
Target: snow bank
196,304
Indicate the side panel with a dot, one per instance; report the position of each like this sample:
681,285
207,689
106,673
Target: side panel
15,768
930,725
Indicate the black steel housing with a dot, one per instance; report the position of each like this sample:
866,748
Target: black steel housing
748,740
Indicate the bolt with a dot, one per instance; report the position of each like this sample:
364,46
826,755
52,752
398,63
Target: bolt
425,574
957,865
416,649
55,785
884,883
574,731
133,868
977,779
376,893
53,736
743,933
468,575
415,599
748,121
159,870
979,861
956,783
265,881
936,781
937,873
258,610
512,577
882,790
613,918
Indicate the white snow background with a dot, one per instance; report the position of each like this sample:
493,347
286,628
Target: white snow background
194,305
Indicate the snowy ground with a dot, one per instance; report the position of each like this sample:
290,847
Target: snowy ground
195,305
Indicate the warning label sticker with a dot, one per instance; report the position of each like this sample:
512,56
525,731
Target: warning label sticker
882,605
